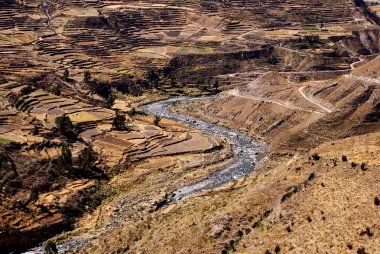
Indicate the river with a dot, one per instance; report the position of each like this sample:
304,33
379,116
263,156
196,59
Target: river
246,149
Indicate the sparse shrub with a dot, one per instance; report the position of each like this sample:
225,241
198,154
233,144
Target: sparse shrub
26,90
363,166
262,217
157,120
35,130
118,122
289,229
110,100
13,98
132,112
153,78
311,176
267,252
66,127
277,249
377,201
367,232
353,164
66,75
349,246
86,77
315,157
56,90
224,251
309,219
180,91
289,194
50,247
87,164
344,158
361,250
273,59
335,162
312,39
65,159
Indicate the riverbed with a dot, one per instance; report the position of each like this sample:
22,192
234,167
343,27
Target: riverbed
246,149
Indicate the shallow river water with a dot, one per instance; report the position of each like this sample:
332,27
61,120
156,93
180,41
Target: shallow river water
246,150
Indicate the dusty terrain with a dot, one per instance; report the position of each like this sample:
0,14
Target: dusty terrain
82,163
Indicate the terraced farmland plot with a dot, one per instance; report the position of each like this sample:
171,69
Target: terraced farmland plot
151,141
47,107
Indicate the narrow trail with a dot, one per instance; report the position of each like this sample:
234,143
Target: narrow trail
300,90
235,92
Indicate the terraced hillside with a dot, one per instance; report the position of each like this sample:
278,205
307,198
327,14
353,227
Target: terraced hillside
280,156
118,37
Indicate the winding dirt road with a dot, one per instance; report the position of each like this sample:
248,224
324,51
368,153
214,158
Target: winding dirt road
300,90
235,92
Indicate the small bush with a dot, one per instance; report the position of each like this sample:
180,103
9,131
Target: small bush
349,246
118,122
277,249
377,201
361,250
363,166
273,59
157,120
353,164
311,176
344,158
289,194
66,127
26,90
50,247
315,157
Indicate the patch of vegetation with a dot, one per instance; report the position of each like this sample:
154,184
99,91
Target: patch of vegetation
50,247
377,201
315,157
26,90
119,122
309,27
277,249
86,77
5,141
273,59
367,232
289,194
311,176
85,201
66,128
66,75
157,120
86,164
262,217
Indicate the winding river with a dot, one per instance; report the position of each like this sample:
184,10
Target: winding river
246,150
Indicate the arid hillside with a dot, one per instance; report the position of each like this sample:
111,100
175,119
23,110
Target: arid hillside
189,126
